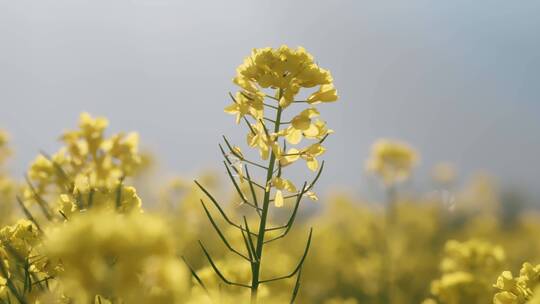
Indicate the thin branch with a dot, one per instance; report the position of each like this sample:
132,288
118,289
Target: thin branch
194,274
232,97
324,138
233,152
290,222
27,213
314,181
296,286
59,169
217,271
250,251
42,280
241,157
311,185
235,169
221,235
249,126
119,192
216,204
41,202
250,241
300,263
239,190
270,106
63,215
253,194
246,95
26,266
272,97
10,284
264,128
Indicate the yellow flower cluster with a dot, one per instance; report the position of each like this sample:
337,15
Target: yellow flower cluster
90,164
391,160
519,290
128,258
468,269
123,199
21,237
286,71
20,246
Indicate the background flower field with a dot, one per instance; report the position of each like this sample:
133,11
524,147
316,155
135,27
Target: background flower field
448,246
391,160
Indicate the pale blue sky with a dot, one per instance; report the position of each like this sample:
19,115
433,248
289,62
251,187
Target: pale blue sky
460,80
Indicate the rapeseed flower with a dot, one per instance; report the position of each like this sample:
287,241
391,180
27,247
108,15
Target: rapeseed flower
286,69
468,269
118,257
89,163
518,290
272,125
391,160
309,154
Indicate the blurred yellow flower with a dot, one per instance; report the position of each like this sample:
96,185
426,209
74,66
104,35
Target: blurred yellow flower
444,173
121,257
89,163
468,269
22,237
278,199
391,160
519,290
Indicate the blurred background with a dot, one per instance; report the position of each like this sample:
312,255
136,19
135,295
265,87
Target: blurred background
459,80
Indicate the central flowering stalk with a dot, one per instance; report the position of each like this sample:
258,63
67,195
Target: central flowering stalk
270,80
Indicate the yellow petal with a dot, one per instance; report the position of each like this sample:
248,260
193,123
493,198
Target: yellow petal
301,122
238,152
312,164
292,155
293,136
283,102
315,150
312,196
310,112
278,200
312,131
240,171
231,109
326,93
289,186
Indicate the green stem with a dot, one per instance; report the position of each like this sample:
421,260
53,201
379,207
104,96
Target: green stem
256,266
391,215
